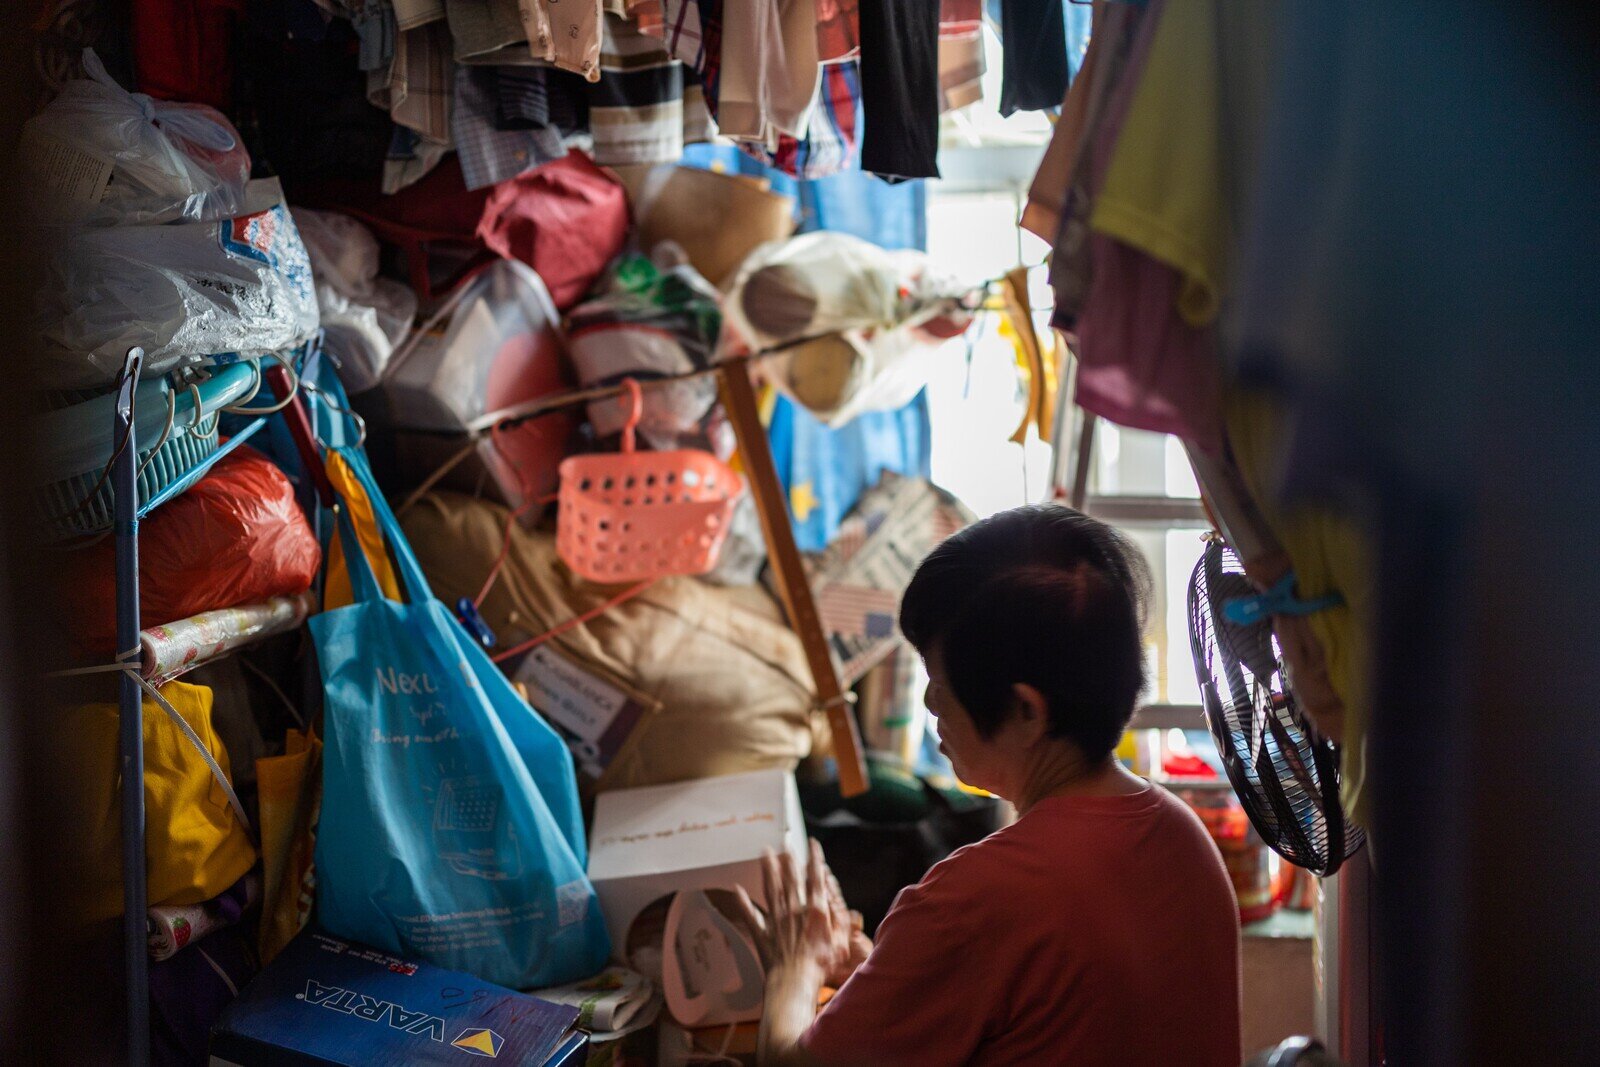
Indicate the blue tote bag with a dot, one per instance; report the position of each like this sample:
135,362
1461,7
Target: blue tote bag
450,827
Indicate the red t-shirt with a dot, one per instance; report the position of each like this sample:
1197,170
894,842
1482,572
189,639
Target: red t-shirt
1094,930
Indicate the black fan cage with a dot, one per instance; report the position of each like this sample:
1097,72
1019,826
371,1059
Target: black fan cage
1285,773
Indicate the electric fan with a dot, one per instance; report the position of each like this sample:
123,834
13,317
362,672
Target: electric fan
1285,772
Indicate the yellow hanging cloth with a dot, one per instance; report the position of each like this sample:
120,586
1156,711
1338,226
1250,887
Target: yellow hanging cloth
196,848
336,592
1329,555
1038,360
289,795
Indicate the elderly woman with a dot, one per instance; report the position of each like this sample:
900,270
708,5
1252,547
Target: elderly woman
1101,926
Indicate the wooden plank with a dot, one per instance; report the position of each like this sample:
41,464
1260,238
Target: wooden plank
739,398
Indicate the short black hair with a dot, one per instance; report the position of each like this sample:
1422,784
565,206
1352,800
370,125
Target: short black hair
1042,595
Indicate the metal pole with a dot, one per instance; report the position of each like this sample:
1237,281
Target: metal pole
125,487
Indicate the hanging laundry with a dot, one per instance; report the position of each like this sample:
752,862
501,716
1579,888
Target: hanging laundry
685,32
961,71
1162,232
1126,41
410,14
415,90
576,31
900,89
1139,363
533,97
829,146
636,109
1052,187
489,155
1034,73
838,25
375,26
490,32
1161,190
770,69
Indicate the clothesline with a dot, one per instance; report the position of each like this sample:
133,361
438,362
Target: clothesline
511,417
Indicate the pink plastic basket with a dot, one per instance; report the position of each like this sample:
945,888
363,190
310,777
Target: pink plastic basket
634,516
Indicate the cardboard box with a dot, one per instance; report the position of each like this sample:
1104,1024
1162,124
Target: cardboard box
325,1002
707,834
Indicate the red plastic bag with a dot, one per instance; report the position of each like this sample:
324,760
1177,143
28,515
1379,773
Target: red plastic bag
566,220
236,537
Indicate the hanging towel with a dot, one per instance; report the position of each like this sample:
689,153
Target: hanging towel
900,89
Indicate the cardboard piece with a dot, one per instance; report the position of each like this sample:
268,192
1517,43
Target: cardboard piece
858,579
707,834
717,219
329,1003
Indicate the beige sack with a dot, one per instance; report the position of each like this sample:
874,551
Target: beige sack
717,682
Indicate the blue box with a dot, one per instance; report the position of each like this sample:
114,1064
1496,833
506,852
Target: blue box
325,1002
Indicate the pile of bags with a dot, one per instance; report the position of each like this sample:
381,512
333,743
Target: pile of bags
158,238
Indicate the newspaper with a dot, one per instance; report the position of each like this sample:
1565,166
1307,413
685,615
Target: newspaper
858,579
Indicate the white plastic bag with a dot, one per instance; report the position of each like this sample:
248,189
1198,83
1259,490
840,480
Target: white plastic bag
650,318
185,292
100,155
364,317
864,314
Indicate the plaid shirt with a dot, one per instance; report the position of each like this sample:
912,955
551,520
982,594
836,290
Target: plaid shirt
830,143
489,155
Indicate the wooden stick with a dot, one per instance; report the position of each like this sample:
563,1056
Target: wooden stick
739,398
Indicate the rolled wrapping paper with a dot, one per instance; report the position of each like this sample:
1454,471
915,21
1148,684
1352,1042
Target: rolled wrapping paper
169,928
169,650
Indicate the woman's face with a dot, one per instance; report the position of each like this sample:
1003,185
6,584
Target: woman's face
978,761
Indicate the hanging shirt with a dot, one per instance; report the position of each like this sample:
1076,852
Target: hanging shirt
531,97
1034,72
1050,191
482,28
576,31
415,90
900,88
1092,930
770,69
637,110
1162,191
490,155
830,143
1126,43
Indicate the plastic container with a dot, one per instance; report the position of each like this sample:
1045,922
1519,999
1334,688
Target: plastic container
633,516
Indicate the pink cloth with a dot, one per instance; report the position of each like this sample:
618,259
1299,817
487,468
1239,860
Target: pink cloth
1139,363
1093,930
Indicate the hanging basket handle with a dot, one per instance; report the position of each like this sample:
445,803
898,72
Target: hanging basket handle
635,412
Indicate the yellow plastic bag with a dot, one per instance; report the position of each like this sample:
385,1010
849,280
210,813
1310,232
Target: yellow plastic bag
196,847
336,591
289,790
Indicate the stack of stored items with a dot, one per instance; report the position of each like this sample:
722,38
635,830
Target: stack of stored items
398,743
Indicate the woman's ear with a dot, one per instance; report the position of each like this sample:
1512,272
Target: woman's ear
1031,710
